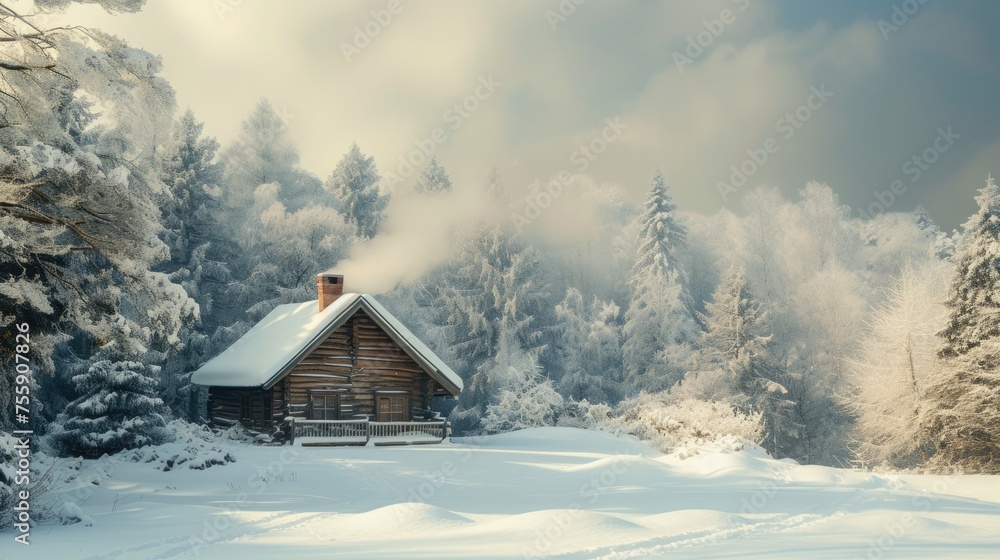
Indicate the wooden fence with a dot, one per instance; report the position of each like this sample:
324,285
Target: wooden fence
360,432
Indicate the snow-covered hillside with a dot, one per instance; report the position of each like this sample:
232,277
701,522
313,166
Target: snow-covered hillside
542,492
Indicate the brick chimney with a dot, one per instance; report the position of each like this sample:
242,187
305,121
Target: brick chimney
329,287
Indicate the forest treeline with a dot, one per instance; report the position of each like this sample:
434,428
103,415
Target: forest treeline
136,248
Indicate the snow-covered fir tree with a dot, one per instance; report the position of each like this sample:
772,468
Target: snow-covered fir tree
265,153
974,299
735,341
963,401
659,325
491,299
277,234
589,348
117,409
355,184
942,246
189,209
661,235
433,179
496,282
189,212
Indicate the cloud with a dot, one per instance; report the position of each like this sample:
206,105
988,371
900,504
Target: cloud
604,60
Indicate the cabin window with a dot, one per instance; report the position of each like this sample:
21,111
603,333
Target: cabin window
325,407
393,409
252,408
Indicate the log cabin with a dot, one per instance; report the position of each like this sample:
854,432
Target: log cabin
342,357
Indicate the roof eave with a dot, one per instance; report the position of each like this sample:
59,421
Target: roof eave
410,350
338,321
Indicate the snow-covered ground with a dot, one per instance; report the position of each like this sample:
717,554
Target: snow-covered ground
545,492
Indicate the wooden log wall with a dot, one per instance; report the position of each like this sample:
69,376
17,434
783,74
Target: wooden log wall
357,361
225,405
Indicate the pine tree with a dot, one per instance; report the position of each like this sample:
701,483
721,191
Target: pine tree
355,183
963,410
117,409
943,247
189,211
589,349
735,341
510,372
659,324
974,301
433,179
661,235
490,299
264,153
188,169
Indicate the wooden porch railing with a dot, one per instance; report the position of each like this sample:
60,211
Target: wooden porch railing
360,432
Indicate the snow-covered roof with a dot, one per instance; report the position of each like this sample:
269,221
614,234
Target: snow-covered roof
268,351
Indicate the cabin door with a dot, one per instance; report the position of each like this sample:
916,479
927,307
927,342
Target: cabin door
393,409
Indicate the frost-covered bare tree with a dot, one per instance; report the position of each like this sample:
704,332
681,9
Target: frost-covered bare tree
77,214
897,360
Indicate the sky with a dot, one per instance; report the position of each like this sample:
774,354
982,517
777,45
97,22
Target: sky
892,104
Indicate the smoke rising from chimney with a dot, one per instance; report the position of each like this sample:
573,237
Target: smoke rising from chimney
423,231
417,236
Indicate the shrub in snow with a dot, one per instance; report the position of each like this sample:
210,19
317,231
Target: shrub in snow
668,423
721,444
43,479
194,447
117,410
530,404
71,514
691,419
